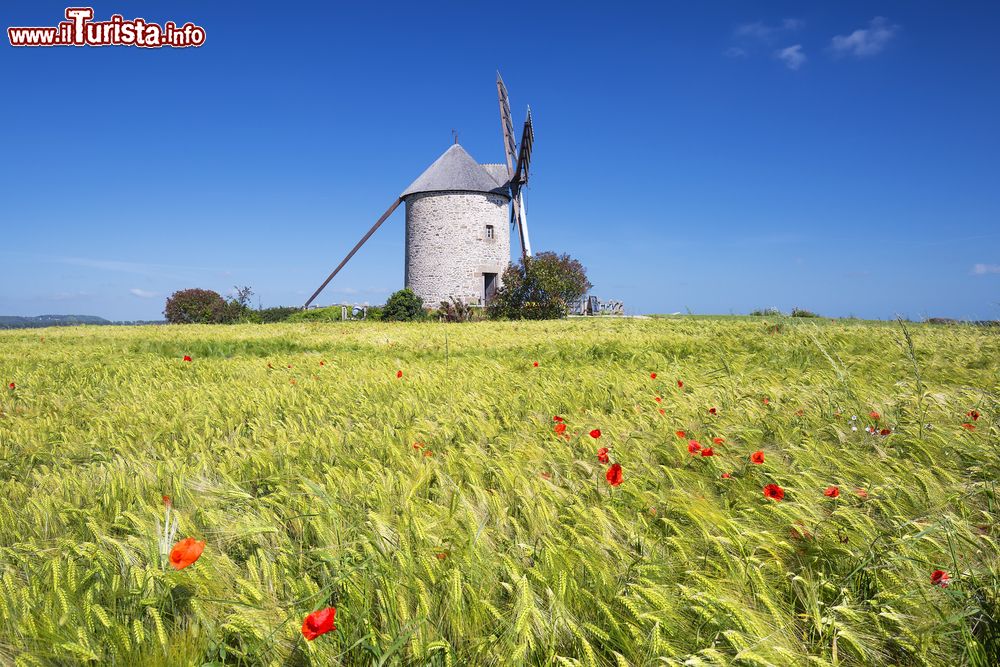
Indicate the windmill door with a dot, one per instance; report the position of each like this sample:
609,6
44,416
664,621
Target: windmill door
489,286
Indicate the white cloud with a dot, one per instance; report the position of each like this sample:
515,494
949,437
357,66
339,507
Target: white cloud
865,42
763,31
792,56
983,269
141,293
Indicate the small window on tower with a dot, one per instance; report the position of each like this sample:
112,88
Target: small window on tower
489,231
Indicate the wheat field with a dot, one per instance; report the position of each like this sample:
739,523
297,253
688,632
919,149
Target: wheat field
448,522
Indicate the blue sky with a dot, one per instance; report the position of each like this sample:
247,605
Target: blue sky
712,156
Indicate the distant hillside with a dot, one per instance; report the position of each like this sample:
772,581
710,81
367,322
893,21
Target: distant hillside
18,322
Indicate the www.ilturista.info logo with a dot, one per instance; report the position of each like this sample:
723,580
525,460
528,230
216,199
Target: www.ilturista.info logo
81,30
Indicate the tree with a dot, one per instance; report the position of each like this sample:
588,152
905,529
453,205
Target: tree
403,306
539,288
194,306
241,295
238,307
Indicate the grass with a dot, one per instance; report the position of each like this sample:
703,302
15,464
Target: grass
506,546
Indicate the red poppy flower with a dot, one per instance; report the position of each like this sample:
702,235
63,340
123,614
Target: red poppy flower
186,552
774,492
12,386
418,445
680,434
318,623
969,427
799,413
940,578
560,428
546,475
712,411
167,501
602,455
441,555
718,441
535,364
614,474
974,414
596,433
652,375
662,411
657,399
767,401
399,374
680,384
832,492
874,415
885,431
861,493
757,457
322,363
428,452
289,365
707,452
187,358
727,475
694,446
557,418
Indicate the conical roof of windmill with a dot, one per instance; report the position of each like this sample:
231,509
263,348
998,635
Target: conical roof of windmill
456,170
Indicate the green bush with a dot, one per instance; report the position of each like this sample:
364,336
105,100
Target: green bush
801,312
277,313
403,306
235,312
767,312
327,314
195,306
539,288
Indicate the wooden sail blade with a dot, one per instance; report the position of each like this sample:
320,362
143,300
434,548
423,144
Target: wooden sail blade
524,154
510,149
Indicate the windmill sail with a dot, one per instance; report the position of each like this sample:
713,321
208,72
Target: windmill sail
524,155
517,165
510,149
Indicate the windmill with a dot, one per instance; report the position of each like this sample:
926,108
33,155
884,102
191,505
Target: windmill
457,231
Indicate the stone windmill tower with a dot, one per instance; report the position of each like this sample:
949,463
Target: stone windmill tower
457,234
459,215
